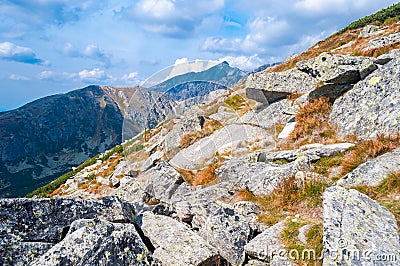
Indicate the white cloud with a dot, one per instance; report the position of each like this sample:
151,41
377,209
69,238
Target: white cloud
131,77
91,51
262,33
172,18
12,52
247,63
93,76
18,77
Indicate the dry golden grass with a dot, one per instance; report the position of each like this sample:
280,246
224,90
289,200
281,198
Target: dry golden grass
201,177
191,137
293,97
290,198
152,133
312,125
369,149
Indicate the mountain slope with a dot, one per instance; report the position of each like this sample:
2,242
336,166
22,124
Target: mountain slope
221,73
46,137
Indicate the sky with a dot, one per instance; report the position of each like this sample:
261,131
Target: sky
54,46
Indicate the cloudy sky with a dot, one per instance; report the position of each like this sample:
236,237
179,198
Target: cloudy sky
54,46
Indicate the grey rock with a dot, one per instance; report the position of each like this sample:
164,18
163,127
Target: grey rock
22,253
331,91
372,106
355,223
185,125
162,181
47,220
368,30
384,41
197,155
266,117
385,58
151,161
287,130
260,178
276,84
373,172
95,242
302,233
266,245
256,263
175,244
229,233
338,69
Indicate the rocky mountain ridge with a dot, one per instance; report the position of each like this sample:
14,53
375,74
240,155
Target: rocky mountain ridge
295,167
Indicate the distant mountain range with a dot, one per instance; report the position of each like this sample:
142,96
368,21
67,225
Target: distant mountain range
222,74
45,138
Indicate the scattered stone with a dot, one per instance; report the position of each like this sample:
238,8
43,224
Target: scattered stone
338,69
266,245
95,242
377,108
287,130
302,233
355,224
368,31
175,244
373,172
229,233
384,41
150,162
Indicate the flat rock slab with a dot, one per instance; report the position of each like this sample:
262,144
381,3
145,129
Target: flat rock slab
95,242
194,156
338,69
286,82
373,172
175,243
372,107
354,223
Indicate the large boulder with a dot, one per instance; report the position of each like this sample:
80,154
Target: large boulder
162,181
372,172
229,233
372,106
384,41
261,178
230,137
277,85
357,230
268,246
176,244
38,224
95,242
338,69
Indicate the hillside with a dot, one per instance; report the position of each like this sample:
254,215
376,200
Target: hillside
298,165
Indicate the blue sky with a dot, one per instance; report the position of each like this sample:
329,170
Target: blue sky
54,46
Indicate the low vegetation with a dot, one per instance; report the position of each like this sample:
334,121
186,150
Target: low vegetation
391,13
386,193
312,125
301,253
204,176
191,137
324,165
369,149
291,197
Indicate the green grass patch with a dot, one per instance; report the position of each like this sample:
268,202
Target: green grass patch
323,165
235,102
380,17
307,254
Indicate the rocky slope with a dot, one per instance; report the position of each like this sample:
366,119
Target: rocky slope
296,167
45,138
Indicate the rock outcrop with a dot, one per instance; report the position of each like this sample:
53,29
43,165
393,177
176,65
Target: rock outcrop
338,69
372,172
373,106
357,230
175,244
